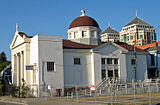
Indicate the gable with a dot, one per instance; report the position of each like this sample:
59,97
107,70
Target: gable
109,49
17,40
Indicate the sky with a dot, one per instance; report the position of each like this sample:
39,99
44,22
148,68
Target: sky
53,17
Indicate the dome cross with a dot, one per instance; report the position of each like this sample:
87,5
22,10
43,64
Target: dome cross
83,12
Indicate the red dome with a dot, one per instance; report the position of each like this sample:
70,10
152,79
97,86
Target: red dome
83,21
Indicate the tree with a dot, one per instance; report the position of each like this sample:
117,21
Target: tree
3,61
3,57
4,65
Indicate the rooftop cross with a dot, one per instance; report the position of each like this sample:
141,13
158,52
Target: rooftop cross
17,27
83,12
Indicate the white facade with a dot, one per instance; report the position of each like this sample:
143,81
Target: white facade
87,35
36,52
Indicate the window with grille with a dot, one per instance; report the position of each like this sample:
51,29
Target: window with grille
50,66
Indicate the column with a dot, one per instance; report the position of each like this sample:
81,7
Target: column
22,65
96,36
13,68
17,68
88,33
20,79
93,69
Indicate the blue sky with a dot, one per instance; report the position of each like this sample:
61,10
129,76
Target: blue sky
53,17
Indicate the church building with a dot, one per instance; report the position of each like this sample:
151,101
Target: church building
82,60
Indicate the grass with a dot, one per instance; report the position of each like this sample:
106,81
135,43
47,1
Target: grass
141,99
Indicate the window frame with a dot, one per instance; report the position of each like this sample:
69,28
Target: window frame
110,73
116,61
133,61
83,34
109,61
77,62
103,61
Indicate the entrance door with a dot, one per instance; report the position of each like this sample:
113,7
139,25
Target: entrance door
110,73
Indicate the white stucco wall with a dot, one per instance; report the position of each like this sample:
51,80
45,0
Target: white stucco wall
48,48
77,74
141,67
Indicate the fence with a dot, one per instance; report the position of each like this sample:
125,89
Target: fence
20,91
137,91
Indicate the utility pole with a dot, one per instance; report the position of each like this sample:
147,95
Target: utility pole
135,55
156,59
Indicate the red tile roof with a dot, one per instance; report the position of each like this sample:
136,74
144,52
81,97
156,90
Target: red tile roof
146,46
83,21
22,34
74,45
70,44
128,47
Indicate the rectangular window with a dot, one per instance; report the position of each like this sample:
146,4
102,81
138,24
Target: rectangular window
103,73
110,73
133,61
116,72
116,61
152,60
92,33
103,61
77,61
125,37
109,60
141,36
50,66
131,37
84,33
128,38
154,36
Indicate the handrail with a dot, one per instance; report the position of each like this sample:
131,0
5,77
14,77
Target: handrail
103,81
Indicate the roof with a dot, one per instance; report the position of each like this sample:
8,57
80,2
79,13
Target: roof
146,46
110,30
73,45
67,44
128,47
83,21
137,20
154,48
22,34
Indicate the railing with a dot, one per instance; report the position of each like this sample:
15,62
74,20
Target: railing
113,87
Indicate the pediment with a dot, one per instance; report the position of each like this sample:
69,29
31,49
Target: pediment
110,47
17,40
